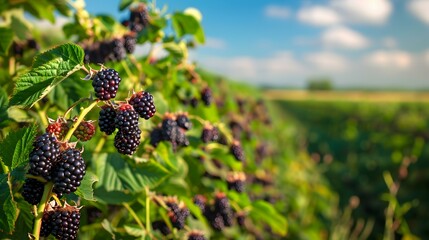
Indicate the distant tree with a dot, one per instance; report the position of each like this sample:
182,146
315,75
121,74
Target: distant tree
320,83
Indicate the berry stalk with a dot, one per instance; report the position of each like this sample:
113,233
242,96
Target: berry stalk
47,192
82,115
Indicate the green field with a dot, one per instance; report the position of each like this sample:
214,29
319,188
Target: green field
358,139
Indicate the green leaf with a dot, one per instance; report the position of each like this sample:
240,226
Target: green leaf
8,205
263,211
85,190
16,147
6,37
188,23
49,69
4,102
20,26
42,9
124,4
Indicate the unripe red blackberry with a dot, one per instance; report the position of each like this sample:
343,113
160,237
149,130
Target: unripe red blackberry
106,84
130,43
183,121
196,235
59,128
156,136
143,104
206,96
69,171
127,119
85,131
236,181
32,191
65,222
237,151
127,143
169,128
46,149
106,119
161,226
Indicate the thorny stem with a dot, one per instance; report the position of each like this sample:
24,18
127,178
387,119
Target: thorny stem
80,118
41,208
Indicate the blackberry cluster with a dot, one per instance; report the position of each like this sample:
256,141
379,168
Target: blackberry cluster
210,133
68,172
143,104
46,228
44,155
172,129
130,42
177,214
161,226
169,128
59,128
139,18
220,214
195,235
237,151
108,50
183,121
207,96
106,119
156,136
236,181
32,191
128,137
85,131
222,207
65,223
106,84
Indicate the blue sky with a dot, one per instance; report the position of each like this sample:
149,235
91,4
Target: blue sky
357,43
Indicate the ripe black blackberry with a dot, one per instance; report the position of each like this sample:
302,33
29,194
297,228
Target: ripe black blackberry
139,16
45,152
118,49
207,96
68,172
200,201
241,218
237,151
222,206
17,49
156,136
196,235
209,133
161,226
143,104
181,139
236,181
32,191
127,119
32,44
178,213
183,121
130,42
65,222
127,143
47,224
216,221
169,128
106,119
106,84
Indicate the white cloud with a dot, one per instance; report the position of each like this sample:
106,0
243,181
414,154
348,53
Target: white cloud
343,37
215,43
364,11
420,9
277,12
318,16
327,61
390,59
389,42
426,56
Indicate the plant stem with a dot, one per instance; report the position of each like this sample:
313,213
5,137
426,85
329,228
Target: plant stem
41,208
148,227
42,115
100,145
134,215
80,118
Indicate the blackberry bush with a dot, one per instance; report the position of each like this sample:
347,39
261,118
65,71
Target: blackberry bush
69,171
106,84
46,150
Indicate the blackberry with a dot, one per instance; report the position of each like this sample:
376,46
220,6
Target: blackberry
181,139
183,121
161,226
143,104
236,181
241,218
106,119
237,151
169,128
68,172
59,128
209,133
130,43
156,136
44,155
32,191
17,49
85,131
127,119
32,44
177,214
216,221
221,203
65,222
195,235
118,49
139,16
127,143
106,84
200,201
206,96
47,225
